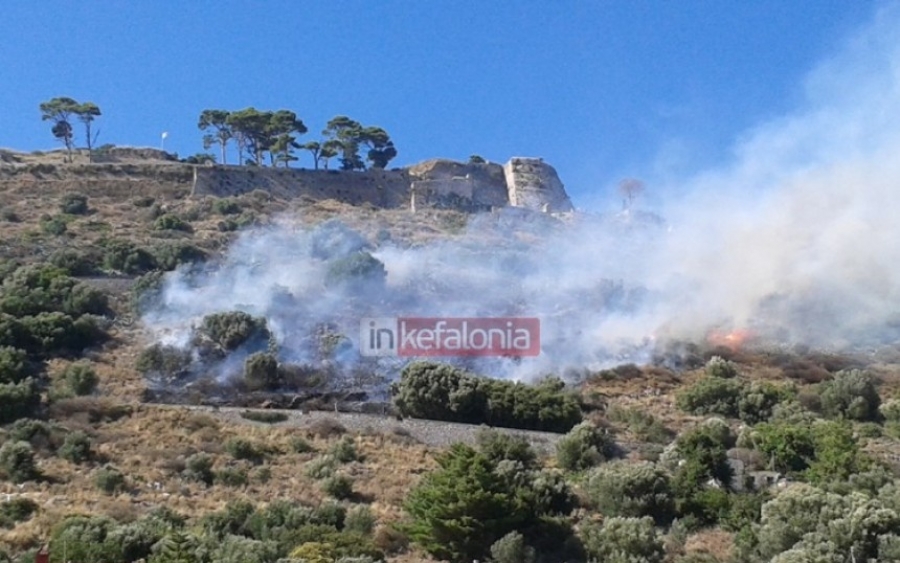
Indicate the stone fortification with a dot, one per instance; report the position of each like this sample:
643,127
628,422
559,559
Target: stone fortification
534,184
522,182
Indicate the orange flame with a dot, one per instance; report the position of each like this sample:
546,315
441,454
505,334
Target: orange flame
733,340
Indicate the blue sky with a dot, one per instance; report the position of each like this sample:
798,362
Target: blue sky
600,89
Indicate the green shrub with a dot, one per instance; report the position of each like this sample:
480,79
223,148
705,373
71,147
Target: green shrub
330,514
58,334
545,406
17,462
229,331
84,538
338,486
109,480
703,452
443,392
500,446
240,448
36,432
32,290
711,396
890,410
266,417
84,300
850,394
76,448
75,262
460,510
758,400
169,222
322,467
198,467
583,447
344,450
358,270
788,448
123,256
146,291
643,425
791,411
171,255
15,510
816,525
226,206
300,445
19,400
632,490
55,225
438,392
624,540
231,520
360,520
80,378
744,511
512,548
8,268
74,204
261,372
159,359
720,367
14,365
134,541
232,477
838,454
869,430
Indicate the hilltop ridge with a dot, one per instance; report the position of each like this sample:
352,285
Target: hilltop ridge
522,182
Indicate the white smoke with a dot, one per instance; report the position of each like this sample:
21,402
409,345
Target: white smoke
804,218
797,238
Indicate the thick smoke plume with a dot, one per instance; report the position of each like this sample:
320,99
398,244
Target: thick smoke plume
797,239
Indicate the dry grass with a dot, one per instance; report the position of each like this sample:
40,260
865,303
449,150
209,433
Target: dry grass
717,543
152,466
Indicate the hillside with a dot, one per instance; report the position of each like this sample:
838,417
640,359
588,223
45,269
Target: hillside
144,250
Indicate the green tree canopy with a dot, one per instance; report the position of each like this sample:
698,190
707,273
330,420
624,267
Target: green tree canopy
59,111
348,136
87,112
217,120
470,502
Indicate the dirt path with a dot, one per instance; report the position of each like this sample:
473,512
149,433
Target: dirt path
430,432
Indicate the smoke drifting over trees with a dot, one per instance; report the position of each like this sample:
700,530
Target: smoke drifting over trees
796,239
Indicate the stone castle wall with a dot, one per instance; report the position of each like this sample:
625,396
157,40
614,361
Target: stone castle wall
381,188
528,183
534,185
